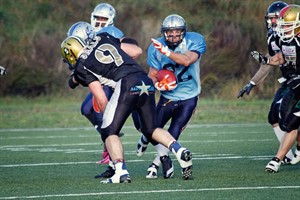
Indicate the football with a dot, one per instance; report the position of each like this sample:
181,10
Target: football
166,79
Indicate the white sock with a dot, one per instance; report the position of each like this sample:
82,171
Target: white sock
279,134
161,150
156,161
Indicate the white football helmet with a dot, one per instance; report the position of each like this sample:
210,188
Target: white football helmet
289,23
82,30
103,10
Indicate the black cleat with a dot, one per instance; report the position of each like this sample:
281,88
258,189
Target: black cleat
107,174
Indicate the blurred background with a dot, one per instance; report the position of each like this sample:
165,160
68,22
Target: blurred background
31,32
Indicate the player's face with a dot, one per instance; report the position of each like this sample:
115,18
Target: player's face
100,21
174,35
287,29
274,21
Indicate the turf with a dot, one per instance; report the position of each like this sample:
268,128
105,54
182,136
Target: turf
228,163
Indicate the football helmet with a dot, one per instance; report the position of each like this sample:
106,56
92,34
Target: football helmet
83,30
103,10
71,49
173,22
273,12
289,23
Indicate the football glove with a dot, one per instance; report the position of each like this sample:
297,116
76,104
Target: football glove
259,57
71,82
246,89
164,85
2,71
161,48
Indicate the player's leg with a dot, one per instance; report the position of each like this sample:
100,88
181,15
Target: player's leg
116,112
289,121
273,120
296,157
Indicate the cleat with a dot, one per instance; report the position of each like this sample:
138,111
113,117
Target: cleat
273,166
122,177
141,146
286,161
167,166
296,157
184,157
107,174
152,171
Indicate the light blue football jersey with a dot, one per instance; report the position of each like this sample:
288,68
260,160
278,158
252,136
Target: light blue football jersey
112,30
188,78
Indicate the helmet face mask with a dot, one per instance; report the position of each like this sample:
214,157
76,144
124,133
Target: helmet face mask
82,30
273,14
173,29
71,49
103,16
289,23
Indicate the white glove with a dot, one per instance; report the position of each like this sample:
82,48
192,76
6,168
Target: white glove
163,85
163,49
2,70
259,57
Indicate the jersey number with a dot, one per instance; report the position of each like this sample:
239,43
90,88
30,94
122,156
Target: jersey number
107,54
180,77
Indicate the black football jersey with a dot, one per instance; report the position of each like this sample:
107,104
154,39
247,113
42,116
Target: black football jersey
104,60
290,51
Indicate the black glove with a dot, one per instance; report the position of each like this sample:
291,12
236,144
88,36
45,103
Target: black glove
259,57
71,82
2,70
246,89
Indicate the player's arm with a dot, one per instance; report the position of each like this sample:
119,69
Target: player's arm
153,74
277,59
185,59
130,46
99,95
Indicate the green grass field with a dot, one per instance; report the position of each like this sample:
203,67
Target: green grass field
49,151
59,163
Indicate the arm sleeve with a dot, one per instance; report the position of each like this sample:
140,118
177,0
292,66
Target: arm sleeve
261,74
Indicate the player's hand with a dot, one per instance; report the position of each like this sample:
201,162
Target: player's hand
259,57
72,82
246,89
164,85
2,71
163,49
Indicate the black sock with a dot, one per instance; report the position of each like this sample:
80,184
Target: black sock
276,159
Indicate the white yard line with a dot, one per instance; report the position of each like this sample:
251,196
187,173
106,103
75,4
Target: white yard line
153,191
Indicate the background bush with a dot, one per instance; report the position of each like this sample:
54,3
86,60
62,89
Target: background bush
31,32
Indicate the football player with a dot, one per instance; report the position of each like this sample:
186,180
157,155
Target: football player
271,18
288,58
179,51
107,61
89,107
